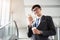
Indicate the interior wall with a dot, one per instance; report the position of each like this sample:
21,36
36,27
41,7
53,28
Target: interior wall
18,13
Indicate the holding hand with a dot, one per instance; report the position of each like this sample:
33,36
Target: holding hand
36,31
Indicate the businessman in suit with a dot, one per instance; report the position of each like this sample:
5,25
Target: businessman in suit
42,27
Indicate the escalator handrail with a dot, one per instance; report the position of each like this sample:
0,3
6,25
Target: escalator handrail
16,28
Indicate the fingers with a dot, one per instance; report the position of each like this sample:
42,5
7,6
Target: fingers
30,19
36,31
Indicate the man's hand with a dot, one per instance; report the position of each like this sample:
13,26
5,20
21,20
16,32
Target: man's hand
36,31
30,20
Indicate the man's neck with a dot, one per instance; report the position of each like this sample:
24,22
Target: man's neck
39,16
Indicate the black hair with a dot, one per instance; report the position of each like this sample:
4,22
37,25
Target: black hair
35,6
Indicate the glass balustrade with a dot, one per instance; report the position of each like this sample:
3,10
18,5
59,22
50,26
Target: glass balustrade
8,31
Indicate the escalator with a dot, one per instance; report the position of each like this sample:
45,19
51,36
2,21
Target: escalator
9,31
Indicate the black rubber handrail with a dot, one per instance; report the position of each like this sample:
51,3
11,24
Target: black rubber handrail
16,28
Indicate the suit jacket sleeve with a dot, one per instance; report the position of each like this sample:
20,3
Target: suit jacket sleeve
51,28
29,31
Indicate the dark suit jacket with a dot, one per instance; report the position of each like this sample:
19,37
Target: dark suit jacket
46,26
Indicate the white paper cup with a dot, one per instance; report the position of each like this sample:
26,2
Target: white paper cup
33,28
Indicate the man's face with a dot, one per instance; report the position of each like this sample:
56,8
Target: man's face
37,11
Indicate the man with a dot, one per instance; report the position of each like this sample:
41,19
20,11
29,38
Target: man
43,27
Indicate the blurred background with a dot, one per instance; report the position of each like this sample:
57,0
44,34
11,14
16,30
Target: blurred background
13,17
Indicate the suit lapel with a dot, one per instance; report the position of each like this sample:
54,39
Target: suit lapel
42,20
